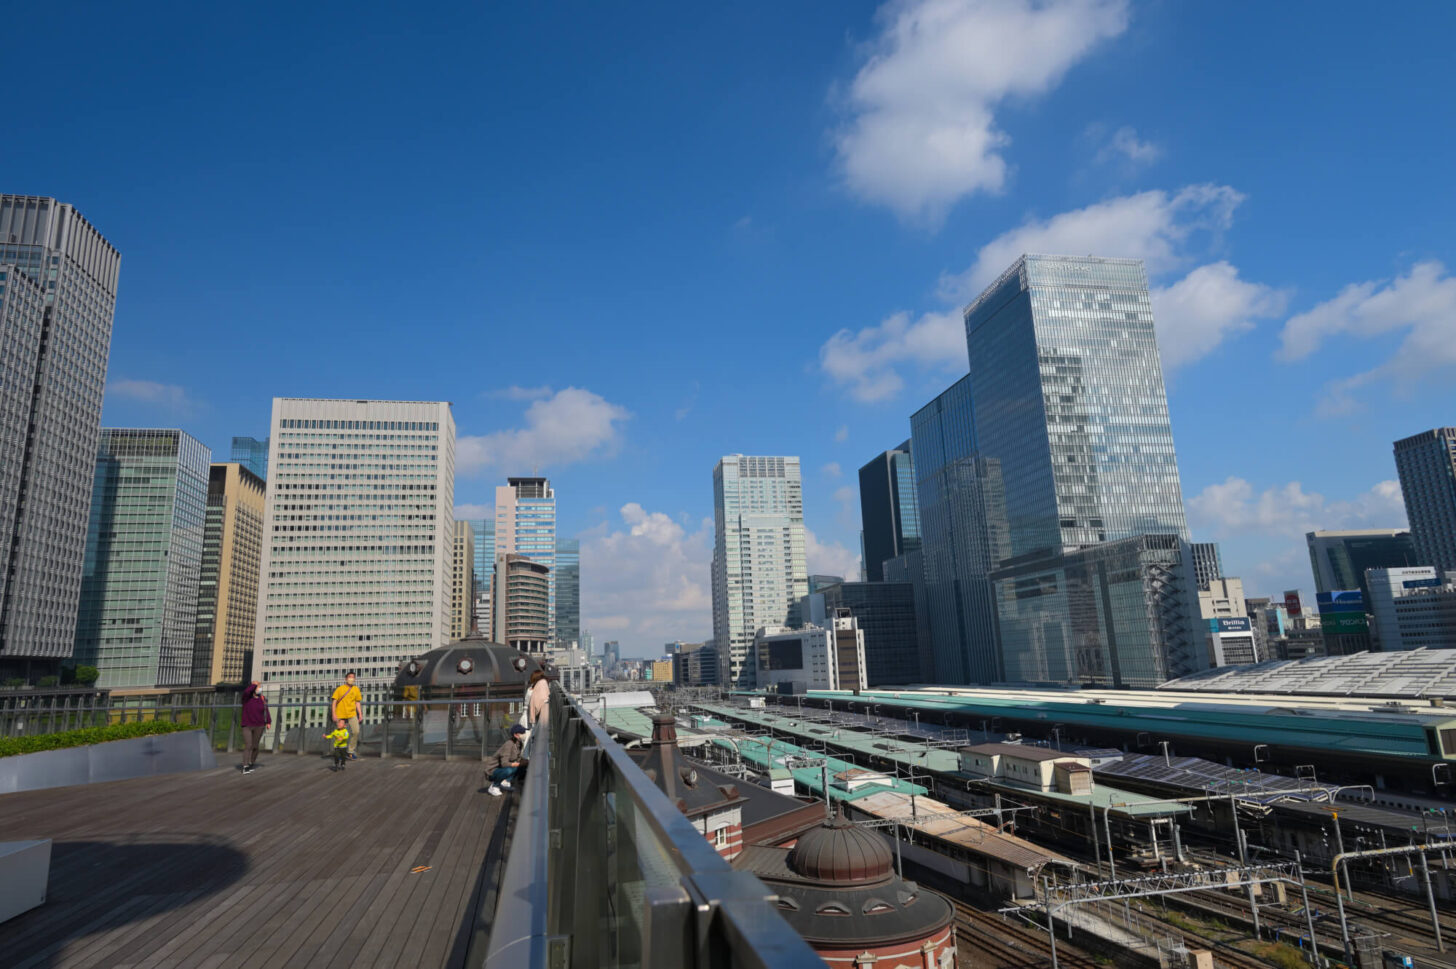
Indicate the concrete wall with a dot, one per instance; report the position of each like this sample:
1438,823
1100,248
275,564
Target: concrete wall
117,760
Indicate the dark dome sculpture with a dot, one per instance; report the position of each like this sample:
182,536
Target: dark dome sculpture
842,853
473,668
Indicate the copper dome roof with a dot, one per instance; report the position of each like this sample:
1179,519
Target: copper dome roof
839,852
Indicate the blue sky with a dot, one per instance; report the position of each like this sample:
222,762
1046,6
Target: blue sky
626,239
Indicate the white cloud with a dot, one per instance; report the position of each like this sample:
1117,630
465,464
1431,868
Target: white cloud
515,392
841,433
1421,305
1197,313
1124,145
922,132
868,362
1152,226
569,426
1232,507
475,512
1194,314
830,558
831,470
647,579
171,397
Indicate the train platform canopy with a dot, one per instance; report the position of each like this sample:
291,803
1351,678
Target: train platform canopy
1196,776
635,723
970,834
1407,823
844,777
1416,674
946,763
1333,725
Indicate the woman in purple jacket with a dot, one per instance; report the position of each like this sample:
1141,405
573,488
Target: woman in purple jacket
255,718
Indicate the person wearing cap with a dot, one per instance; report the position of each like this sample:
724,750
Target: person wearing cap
505,762
347,704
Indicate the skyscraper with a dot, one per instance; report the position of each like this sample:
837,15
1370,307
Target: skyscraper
1068,396
1426,463
521,612
138,617
484,539
525,524
758,570
1339,558
227,596
1207,566
252,454
462,580
357,542
568,594
1058,438
57,297
889,509
963,535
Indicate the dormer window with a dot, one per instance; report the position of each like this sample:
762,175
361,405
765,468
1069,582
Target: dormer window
832,908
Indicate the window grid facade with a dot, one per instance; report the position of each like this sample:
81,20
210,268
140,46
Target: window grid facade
227,596
357,541
138,616
889,509
1426,464
58,281
758,570
525,524
567,632
462,580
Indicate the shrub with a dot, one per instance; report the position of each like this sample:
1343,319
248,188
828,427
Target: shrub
87,675
1283,956
90,735
15,681
49,681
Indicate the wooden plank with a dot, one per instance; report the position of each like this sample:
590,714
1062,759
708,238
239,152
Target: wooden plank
211,868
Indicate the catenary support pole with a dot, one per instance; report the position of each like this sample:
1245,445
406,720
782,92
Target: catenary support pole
1046,895
1308,915
1431,901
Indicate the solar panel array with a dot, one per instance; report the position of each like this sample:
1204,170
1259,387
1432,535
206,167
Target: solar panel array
1210,777
1415,674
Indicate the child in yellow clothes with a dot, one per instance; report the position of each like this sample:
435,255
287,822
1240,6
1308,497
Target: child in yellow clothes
340,737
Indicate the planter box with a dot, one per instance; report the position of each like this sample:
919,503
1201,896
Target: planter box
117,760
25,866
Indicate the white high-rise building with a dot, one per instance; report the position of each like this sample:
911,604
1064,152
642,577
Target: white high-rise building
525,524
357,542
758,555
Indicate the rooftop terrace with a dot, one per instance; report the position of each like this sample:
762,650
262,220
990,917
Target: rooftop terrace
381,866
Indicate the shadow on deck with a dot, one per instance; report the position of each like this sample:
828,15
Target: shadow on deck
292,865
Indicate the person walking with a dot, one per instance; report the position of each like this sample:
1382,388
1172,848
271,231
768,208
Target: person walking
506,762
347,704
256,719
340,736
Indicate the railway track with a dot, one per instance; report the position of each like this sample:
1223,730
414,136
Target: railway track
1006,946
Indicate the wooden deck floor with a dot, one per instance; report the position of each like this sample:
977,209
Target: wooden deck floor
292,865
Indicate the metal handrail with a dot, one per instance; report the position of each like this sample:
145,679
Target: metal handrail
601,814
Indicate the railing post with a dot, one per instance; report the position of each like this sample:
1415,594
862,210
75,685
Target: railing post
450,724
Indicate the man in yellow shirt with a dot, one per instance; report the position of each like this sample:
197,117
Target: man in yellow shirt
348,706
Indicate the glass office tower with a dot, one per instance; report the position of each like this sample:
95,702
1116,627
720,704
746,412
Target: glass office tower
1068,396
1058,439
57,297
484,529
1426,464
138,617
252,454
962,524
568,593
525,524
889,509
